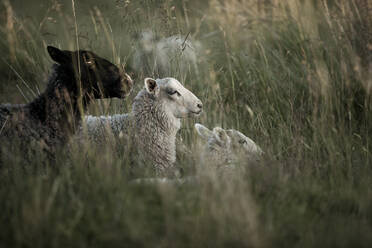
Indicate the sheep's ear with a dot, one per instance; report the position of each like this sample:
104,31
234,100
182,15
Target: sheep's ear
58,56
151,86
221,135
203,131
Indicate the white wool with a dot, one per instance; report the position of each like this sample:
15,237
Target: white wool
153,124
223,148
98,126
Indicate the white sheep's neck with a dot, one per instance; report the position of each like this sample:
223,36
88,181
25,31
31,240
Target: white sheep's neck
154,124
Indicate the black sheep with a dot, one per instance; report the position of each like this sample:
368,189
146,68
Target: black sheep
53,117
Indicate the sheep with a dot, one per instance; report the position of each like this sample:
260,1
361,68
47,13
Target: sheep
218,157
225,147
53,117
165,56
152,124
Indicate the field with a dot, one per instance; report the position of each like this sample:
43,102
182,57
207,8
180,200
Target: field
295,76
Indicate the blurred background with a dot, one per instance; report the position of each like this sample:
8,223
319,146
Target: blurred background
294,76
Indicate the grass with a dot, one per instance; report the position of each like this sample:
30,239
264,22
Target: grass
294,76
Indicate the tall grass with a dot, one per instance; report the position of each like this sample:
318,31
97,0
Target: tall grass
295,76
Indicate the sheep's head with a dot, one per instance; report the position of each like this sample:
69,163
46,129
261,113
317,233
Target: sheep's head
228,144
242,144
173,97
99,77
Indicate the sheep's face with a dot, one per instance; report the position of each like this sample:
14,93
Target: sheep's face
241,144
217,139
99,77
230,143
175,99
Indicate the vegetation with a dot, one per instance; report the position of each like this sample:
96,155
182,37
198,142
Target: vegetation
295,76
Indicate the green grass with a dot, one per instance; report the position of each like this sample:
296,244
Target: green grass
292,75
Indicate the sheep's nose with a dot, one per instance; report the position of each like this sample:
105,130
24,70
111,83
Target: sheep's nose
199,105
128,78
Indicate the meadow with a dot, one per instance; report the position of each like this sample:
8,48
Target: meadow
294,76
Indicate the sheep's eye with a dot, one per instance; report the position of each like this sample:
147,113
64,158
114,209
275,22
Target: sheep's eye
242,142
171,93
89,62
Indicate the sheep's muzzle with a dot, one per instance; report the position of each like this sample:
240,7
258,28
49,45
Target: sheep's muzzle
126,85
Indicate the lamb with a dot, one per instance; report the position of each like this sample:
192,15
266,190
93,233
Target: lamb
152,125
53,117
167,56
225,147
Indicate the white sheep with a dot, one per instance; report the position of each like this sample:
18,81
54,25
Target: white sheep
153,123
226,147
165,56
219,156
